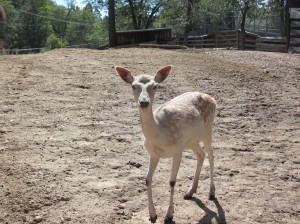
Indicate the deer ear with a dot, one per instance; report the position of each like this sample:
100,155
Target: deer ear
125,74
162,74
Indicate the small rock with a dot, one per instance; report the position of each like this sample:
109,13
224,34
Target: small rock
190,177
65,198
38,219
135,164
114,167
121,206
2,131
121,213
123,200
67,218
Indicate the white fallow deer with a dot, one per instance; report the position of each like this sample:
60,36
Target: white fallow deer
182,123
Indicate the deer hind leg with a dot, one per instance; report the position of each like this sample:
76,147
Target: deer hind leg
152,166
208,148
175,167
200,154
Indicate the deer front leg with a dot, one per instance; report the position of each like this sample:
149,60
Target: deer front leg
152,166
175,167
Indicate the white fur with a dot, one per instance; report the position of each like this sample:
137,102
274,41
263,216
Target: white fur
182,123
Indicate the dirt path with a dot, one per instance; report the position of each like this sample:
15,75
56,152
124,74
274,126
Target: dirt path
71,148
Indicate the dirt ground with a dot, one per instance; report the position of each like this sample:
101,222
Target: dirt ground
71,148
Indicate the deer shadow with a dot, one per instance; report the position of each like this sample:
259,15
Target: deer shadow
209,214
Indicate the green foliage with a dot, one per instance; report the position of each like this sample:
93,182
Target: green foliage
9,27
42,23
83,26
54,42
99,35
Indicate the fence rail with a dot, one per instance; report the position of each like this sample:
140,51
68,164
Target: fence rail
274,44
293,41
224,39
36,50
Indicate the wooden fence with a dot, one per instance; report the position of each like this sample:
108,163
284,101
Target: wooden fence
143,36
224,39
273,44
293,39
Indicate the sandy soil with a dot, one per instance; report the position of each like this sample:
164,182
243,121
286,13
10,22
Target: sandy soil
71,148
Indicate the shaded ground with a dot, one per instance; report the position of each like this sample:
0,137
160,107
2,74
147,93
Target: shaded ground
71,148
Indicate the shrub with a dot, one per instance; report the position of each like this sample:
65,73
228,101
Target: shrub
54,42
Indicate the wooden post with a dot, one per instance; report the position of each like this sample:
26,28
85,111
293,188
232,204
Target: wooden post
112,23
288,31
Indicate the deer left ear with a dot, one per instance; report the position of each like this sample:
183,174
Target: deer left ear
125,74
162,74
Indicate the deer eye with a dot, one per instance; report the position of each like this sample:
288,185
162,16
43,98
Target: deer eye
155,87
133,87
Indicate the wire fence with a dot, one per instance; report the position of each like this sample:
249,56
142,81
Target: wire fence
38,50
295,13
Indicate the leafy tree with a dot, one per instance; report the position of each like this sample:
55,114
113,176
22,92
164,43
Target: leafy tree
34,25
191,4
132,14
99,6
9,27
59,26
244,8
54,42
181,15
143,12
276,13
81,26
218,12
30,22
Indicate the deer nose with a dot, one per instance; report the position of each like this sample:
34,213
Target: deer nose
144,104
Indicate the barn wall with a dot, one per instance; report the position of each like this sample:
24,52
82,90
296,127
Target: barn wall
143,36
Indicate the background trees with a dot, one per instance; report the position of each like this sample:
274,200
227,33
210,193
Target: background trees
31,22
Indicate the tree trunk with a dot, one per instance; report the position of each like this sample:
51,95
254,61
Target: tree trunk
282,30
2,14
133,15
112,23
150,17
187,28
243,31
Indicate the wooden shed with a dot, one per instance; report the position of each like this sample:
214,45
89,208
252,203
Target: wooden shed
143,36
293,25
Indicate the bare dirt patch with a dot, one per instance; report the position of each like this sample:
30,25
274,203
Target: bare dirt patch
71,148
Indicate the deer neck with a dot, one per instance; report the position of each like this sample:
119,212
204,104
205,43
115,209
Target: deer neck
149,125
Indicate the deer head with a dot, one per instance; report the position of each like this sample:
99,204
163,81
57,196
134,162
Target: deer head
144,86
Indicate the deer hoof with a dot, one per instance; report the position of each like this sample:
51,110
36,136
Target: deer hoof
188,195
153,219
168,220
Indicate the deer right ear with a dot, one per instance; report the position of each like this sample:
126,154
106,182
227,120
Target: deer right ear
125,74
162,74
